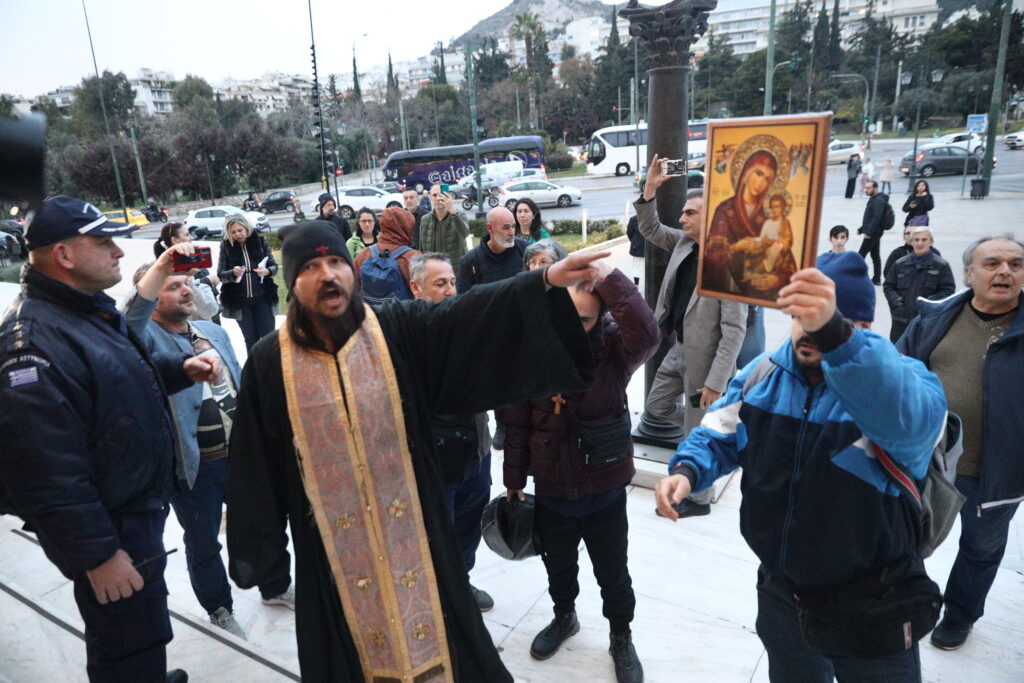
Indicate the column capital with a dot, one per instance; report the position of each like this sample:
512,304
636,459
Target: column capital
670,30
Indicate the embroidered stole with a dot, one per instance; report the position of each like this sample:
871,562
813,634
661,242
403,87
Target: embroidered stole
346,414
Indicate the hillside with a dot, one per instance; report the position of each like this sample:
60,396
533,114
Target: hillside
553,14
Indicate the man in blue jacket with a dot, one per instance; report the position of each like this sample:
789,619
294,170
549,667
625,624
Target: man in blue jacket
974,342
88,441
818,510
158,311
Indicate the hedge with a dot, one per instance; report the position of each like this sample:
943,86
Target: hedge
559,161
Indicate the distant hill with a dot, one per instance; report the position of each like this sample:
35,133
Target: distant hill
553,14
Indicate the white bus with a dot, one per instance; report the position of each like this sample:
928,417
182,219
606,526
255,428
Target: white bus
614,149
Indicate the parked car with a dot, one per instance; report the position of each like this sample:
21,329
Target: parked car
279,200
540,191
960,139
351,199
486,182
1015,140
391,186
839,151
935,159
526,174
135,217
208,223
12,242
694,178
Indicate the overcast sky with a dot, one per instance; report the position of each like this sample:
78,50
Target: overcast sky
46,45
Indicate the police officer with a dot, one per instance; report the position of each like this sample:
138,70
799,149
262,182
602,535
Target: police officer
88,453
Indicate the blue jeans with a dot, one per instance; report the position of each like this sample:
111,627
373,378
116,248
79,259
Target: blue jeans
791,659
127,640
257,319
199,513
466,500
982,544
753,342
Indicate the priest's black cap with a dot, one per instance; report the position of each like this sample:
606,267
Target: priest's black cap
309,240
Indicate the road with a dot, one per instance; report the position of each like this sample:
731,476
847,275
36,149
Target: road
608,196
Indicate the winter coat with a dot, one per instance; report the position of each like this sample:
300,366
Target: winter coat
394,233
907,280
873,213
480,265
543,443
248,255
636,238
447,235
853,168
1002,470
924,205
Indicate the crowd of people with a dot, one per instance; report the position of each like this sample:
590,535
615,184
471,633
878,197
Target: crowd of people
359,429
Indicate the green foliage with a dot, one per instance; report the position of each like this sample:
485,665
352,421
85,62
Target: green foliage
558,161
490,66
189,90
6,105
86,111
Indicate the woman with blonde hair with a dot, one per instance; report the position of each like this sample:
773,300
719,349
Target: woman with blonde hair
246,269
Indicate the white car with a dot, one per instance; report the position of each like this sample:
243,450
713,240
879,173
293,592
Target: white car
351,199
526,174
839,151
540,191
960,140
210,221
1015,140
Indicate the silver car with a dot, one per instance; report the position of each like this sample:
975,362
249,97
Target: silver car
208,222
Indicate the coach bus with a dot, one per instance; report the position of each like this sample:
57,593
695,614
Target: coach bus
614,149
421,168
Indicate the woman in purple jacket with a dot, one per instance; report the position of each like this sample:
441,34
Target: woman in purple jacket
580,483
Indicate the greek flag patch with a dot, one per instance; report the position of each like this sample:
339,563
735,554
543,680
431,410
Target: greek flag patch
22,376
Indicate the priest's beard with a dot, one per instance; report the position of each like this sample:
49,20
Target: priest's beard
303,331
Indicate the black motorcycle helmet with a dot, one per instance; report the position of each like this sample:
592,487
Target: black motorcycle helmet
507,528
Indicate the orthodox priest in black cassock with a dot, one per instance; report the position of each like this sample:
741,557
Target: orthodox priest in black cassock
339,445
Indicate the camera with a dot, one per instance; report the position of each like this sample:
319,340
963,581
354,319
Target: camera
203,258
671,167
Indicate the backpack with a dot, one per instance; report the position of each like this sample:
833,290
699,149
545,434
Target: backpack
380,278
935,496
888,217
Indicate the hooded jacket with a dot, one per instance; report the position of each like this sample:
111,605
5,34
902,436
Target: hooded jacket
542,443
1002,470
818,510
396,226
871,226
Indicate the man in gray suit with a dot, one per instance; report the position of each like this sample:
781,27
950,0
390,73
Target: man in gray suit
707,333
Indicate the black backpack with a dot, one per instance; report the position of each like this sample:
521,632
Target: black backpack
888,217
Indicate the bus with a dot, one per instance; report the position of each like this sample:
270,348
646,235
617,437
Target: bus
421,168
614,149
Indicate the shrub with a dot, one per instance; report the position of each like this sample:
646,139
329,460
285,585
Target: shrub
559,161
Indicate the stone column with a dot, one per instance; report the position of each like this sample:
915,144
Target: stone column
670,31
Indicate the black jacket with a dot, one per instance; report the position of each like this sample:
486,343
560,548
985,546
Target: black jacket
924,205
481,265
636,238
233,293
907,280
898,253
873,213
340,223
85,425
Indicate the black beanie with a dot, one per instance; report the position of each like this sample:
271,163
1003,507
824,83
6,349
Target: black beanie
309,240
323,199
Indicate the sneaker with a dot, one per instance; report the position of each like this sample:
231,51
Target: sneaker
483,599
177,676
949,635
688,508
224,619
286,599
876,282
627,665
547,642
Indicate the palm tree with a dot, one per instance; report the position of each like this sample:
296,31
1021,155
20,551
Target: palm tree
525,28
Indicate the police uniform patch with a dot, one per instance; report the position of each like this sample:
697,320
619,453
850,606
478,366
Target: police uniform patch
22,376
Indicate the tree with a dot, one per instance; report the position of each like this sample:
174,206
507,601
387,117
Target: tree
118,96
748,82
6,105
489,65
568,52
834,57
577,74
570,111
440,75
393,94
714,77
526,28
612,73
356,95
187,91
333,98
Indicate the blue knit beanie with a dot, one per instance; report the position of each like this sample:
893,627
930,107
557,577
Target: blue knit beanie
855,295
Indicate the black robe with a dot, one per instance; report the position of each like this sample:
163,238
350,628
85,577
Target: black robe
499,344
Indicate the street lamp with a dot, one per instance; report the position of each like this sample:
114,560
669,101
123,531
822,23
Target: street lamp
936,76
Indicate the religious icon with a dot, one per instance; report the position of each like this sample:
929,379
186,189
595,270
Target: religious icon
763,204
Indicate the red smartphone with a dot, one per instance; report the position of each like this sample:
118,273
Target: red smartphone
202,258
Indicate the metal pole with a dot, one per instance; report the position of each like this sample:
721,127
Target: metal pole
874,86
401,118
769,71
316,98
913,158
476,133
334,151
810,80
967,158
106,121
209,178
138,164
618,107
896,101
997,97
519,118
635,121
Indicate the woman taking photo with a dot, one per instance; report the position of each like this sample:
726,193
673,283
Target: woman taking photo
918,204
246,268
367,230
528,225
